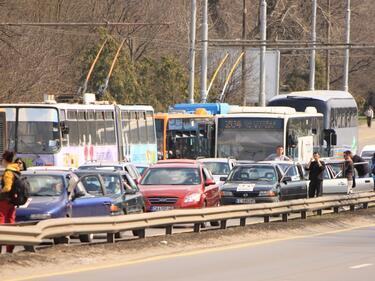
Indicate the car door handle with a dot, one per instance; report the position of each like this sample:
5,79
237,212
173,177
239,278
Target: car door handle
367,181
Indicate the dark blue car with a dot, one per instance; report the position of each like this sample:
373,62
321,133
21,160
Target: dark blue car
59,194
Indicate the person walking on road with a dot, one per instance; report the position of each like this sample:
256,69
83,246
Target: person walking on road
279,156
349,171
370,115
316,169
7,209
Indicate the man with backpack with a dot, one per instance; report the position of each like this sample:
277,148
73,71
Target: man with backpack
7,209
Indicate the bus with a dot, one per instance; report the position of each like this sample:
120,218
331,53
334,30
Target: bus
211,108
340,113
253,133
184,135
62,134
3,131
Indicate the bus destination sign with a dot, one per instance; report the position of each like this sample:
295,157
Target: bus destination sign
251,123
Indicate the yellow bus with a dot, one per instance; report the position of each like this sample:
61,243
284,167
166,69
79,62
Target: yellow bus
185,135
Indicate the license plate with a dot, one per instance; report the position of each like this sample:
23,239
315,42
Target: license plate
161,208
245,201
245,187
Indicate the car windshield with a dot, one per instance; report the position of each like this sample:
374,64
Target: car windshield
218,168
100,167
253,174
112,184
172,176
284,167
45,185
367,154
141,170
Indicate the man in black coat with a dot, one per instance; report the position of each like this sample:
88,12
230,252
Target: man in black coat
316,169
362,169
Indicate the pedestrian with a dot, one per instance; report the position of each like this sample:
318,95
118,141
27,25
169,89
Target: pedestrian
362,167
316,169
370,115
279,156
21,164
349,171
7,210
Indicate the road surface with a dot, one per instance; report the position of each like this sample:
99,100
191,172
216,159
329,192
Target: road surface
366,136
344,255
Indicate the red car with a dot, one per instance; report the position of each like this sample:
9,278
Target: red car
179,184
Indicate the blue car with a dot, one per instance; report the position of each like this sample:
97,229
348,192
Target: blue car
60,194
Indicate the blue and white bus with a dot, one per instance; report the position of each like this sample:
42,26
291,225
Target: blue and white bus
339,110
63,134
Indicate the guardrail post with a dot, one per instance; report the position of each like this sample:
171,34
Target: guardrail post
223,224
319,212
285,217
303,215
197,227
110,237
30,248
365,205
352,208
267,219
243,222
169,229
336,210
142,233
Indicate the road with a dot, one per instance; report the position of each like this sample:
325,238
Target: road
344,255
366,136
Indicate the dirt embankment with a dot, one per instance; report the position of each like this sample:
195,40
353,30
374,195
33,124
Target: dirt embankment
73,257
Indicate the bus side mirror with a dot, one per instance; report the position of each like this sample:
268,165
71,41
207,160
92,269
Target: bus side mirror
330,137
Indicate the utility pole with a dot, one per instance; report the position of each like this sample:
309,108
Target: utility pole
244,12
347,41
193,24
204,51
328,53
263,38
313,50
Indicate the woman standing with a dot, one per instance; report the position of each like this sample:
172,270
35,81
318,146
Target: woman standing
7,210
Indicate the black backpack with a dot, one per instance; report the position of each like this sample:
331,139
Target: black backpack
19,193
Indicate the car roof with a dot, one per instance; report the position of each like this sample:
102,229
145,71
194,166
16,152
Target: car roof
47,172
176,165
369,147
106,163
51,168
256,164
220,160
177,161
109,172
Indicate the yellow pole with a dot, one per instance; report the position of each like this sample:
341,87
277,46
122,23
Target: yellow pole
230,75
95,60
115,59
216,72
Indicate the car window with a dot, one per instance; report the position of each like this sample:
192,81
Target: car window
217,168
112,184
46,185
207,174
293,173
92,185
253,174
129,183
172,176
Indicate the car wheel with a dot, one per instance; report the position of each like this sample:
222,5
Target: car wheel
86,238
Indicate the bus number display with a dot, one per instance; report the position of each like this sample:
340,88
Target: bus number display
251,123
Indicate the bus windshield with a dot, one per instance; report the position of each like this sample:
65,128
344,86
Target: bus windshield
249,138
36,132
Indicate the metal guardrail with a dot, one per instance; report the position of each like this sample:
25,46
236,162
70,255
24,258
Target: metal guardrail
31,235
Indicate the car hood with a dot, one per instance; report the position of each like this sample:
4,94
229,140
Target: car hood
232,186
40,204
169,190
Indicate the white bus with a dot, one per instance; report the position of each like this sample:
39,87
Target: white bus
253,133
340,113
62,134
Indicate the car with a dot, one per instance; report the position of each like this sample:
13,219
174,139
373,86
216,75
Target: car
219,167
179,184
367,152
117,185
262,183
59,194
107,165
141,168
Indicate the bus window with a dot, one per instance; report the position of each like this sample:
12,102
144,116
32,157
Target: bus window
11,127
134,137
125,124
91,126
82,127
142,127
100,127
150,127
72,124
38,130
110,128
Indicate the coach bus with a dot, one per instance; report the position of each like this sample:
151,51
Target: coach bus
211,108
184,135
62,134
340,115
253,133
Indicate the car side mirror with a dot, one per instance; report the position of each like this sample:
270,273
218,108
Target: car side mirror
223,178
209,182
285,180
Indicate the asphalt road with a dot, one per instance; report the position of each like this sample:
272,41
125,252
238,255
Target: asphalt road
347,255
366,136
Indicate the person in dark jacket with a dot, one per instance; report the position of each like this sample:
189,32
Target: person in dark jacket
316,169
349,170
7,210
362,169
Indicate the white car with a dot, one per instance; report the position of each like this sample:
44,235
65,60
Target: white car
367,152
219,167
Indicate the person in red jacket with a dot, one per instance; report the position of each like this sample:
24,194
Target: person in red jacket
7,210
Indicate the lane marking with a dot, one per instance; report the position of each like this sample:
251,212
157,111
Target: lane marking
185,254
360,266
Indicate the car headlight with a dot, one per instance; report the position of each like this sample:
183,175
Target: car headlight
226,193
267,193
195,197
40,216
